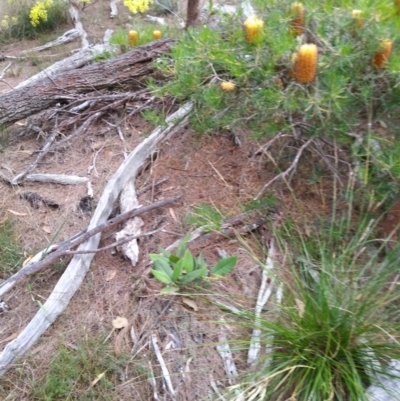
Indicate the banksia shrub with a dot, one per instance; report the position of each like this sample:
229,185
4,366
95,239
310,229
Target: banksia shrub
382,57
297,23
133,38
157,35
305,63
253,27
356,14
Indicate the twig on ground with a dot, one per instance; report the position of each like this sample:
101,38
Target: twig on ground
225,353
153,383
288,171
114,8
31,268
65,38
5,70
42,152
262,298
114,244
79,131
165,373
270,339
147,187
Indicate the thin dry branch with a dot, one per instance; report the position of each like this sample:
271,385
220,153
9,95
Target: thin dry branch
65,247
20,177
76,271
290,170
265,292
65,38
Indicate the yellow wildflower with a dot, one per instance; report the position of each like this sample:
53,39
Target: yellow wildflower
135,6
38,12
4,24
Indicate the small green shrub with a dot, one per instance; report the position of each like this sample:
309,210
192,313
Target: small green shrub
181,269
25,18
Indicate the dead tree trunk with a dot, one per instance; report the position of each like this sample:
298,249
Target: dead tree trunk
130,69
193,10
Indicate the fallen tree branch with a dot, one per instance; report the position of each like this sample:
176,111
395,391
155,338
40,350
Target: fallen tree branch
131,68
164,370
114,244
62,249
49,178
76,271
76,60
267,283
114,8
74,14
65,38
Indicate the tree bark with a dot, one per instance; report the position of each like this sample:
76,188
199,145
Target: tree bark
131,68
192,15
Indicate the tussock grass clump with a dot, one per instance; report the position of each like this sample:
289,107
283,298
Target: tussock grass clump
338,325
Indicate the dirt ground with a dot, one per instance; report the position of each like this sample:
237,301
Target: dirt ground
209,170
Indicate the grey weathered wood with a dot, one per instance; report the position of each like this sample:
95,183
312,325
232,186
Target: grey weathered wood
131,68
73,276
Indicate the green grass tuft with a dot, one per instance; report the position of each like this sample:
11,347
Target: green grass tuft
10,251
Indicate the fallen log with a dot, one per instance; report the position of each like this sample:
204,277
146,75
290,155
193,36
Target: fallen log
79,265
131,68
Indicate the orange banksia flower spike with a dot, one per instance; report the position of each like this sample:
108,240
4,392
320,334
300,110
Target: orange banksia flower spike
133,38
382,57
305,63
297,23
397,7
253,27
157,35
228,86
357,15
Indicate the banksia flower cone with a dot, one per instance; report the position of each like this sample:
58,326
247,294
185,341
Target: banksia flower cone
133,38
297,23
157,35
356,14
305,63
397,7
253,29
228,86
382,57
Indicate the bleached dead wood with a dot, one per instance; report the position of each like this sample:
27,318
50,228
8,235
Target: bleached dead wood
65,38
74,14
57,179
74,274
77,60
265,292
157,20
114,8
48,178
225,353
247,8
132,227
164,370
62,249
